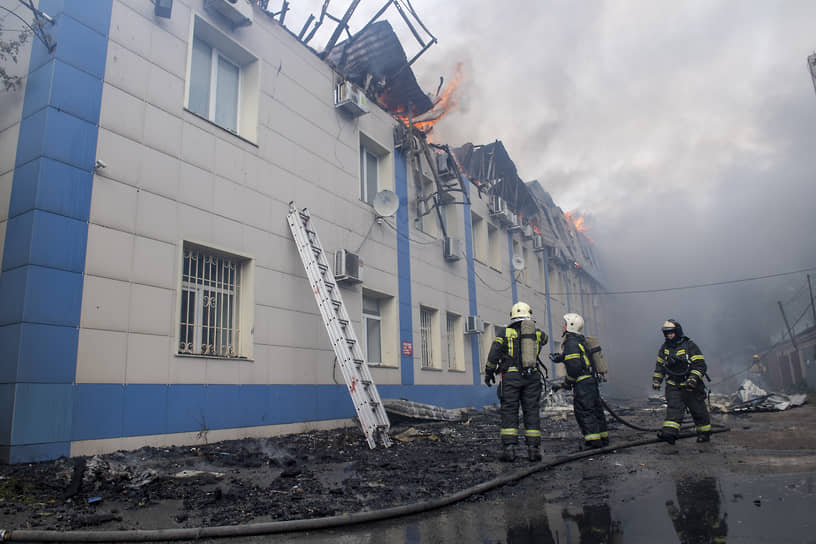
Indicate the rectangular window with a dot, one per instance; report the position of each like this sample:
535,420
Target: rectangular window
210,312
479,230
426,335
369,174
223,83
494,247
372,330
455,341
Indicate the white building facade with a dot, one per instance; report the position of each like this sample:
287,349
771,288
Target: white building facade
150,289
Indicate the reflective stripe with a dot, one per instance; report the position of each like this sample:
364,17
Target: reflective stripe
499,339
572,356
509,432
680,352
697,358
584,355
671,382
581,378
512,369
666,351
510,334
671,424
657,375
532,433
605,434
704,428
589,437
697,372
660,360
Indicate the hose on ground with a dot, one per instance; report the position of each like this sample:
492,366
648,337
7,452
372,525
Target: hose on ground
646,429
277,527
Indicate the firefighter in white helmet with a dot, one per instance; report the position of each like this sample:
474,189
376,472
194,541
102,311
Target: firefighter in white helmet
682,364
586,400
514,355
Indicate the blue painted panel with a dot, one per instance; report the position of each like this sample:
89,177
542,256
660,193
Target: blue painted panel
70,140
30,142
47,353
95,15
33,453
42,413
38,89
185,408
58,242
51,186
81,46
17,250
284,402
12,295
253,407
9,353
222,406
6,410
98,411
76,92
52,296
145,409
333,402
404,306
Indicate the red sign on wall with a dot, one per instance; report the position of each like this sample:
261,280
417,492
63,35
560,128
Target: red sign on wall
407,348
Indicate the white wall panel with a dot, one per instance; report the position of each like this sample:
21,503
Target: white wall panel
101,356
123,156
130,30
168,51
165,90
162,131
113,204
151,310
105,304
198,147
154,263
156,217
148,359
161,173
110,253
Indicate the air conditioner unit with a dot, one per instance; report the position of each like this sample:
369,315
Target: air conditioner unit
513,222
453,249
443,167
238,12
496,205
474,325
538,243
527,231
350,99
347,267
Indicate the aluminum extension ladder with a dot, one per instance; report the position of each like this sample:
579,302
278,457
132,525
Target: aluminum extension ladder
370,411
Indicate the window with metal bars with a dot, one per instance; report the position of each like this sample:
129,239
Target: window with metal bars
210,298
426,337
452,327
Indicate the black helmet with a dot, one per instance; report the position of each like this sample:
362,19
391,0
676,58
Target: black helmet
671,325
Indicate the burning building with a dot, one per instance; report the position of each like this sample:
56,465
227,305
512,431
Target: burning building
150,289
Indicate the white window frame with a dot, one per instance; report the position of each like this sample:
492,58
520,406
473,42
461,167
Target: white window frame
248,92
211,279
365,153
429,338
479,230
455,334
385,177
494,247
372,317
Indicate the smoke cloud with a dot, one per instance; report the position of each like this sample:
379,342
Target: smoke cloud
686,130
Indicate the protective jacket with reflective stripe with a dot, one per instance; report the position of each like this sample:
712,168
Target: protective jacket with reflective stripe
576,357
676,361
505,351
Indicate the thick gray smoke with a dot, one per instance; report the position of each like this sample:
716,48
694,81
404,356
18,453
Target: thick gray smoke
685,129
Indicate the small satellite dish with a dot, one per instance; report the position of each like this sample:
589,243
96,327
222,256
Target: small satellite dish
385,203
518,262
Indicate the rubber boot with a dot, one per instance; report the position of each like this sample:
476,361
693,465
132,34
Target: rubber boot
533,455
666,437
508,454
604,441
592,444
704,437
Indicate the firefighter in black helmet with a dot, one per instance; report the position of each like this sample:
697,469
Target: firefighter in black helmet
514,354
586,400
683,366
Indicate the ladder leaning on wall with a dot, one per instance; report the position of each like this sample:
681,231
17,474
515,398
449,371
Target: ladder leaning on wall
370,411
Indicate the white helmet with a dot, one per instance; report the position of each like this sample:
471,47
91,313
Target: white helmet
574,322
520,311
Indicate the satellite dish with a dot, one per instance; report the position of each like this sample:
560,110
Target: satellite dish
385,203
518,262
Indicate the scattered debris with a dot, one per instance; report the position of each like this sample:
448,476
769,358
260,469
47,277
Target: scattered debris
752,398
401,409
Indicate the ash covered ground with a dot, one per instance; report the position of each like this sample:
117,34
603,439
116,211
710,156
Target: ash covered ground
328,473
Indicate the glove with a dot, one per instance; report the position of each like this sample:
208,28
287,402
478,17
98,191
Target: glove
656,385
557,357
691,382
490,377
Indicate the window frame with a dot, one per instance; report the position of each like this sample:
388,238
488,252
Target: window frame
455,333
429,340
372,317
241,312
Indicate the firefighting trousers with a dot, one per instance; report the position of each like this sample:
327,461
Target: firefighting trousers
518,388
677,400
589,411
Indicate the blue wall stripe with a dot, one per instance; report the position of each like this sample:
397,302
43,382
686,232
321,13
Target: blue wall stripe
473,307
406,324
102,411
46,235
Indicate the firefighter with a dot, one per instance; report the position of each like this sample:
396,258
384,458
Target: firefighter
683,366
514,355
581,379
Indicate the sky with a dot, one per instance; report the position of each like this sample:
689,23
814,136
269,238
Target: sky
686,130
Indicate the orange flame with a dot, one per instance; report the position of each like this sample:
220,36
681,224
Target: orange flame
443,104
577,222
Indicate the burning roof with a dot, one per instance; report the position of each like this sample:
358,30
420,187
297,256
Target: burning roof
375,61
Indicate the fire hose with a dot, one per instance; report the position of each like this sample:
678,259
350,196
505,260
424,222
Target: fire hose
277,527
